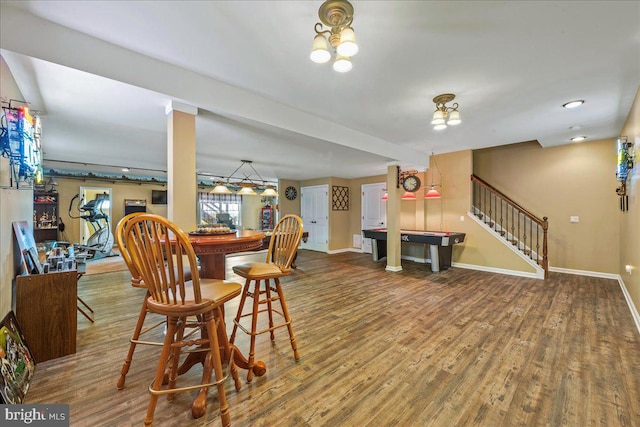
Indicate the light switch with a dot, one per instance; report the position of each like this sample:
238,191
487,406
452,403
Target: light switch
574,219
461,217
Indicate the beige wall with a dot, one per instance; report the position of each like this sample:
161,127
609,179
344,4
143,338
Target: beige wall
67,188
559,182
630,220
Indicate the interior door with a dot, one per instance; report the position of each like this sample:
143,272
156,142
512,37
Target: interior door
374,210
315,216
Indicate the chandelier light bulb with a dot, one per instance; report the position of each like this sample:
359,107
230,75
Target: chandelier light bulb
454,118
342,64
320,52
440,126
348,46
438,118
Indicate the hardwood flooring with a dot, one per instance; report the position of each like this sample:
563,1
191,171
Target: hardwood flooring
413,348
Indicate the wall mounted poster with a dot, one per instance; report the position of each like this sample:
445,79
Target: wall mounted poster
16,363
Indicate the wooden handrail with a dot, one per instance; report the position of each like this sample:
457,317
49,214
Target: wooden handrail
483,183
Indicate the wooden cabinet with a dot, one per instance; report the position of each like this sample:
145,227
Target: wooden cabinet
266,218
45,215
46,311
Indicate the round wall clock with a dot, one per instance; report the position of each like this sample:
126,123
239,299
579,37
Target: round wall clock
291,193
411,183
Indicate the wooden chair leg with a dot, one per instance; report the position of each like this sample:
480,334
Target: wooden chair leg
174,359
243,298
267,291
226,347
254,328
287,318
162,366
212,361
132,345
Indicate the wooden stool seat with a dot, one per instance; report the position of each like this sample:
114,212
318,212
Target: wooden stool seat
282,250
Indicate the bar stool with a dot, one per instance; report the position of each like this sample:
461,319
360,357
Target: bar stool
150,240
282,249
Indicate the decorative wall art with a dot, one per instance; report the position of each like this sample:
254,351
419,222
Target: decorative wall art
16,363
623,170
340,198
20,133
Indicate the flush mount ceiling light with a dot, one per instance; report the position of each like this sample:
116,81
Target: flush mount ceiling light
444,115
573,104
338,16
247,184
578,138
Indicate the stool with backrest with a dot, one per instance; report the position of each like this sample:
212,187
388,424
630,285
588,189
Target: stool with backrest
137,282
149,241
282,249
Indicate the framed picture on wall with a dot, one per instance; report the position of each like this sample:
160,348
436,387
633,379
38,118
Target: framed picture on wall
16,362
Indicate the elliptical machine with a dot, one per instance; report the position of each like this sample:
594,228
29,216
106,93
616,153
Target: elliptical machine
101,241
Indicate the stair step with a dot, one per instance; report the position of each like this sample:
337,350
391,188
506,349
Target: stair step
502,232
526,251
489,223
513,242
479,215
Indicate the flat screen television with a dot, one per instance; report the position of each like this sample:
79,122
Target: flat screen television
159,197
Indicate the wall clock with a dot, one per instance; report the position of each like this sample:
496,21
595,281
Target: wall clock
411,183
291,193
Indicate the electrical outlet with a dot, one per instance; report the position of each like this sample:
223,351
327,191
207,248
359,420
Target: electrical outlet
574,219
462,218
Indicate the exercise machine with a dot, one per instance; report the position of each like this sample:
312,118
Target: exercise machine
100,243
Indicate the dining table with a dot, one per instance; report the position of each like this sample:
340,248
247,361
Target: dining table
211,250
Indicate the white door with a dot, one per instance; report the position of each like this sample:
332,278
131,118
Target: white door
314,207
374,210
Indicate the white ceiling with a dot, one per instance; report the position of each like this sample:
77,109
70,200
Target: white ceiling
101,73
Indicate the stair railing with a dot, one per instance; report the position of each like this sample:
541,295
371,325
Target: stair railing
510,220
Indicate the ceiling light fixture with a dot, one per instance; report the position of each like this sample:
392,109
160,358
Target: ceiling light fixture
247,184
578,138
439,120
573,104
337,15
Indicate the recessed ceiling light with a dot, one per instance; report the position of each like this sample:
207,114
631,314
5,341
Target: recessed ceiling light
125,169
578,138
573,104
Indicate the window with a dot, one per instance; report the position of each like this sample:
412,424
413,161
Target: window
220,208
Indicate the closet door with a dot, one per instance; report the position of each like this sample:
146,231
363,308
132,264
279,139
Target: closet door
315,216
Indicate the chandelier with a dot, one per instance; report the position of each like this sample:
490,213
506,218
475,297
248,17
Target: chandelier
338,16
246,184
444,115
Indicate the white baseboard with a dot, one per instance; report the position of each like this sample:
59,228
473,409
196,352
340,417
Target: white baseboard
584,273
339,251
498,270
393,269
632,308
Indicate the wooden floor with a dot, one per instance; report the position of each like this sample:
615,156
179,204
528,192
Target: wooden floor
413,348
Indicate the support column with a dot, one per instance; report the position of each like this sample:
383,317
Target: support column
181,165
393,220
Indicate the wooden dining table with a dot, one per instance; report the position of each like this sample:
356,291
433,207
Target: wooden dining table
212,249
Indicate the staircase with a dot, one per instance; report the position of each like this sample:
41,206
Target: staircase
508,220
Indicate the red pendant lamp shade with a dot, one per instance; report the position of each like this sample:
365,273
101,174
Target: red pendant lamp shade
432,194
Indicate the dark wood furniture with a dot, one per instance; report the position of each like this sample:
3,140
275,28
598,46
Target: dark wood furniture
211,249
45,215
440,244
46,311
282,249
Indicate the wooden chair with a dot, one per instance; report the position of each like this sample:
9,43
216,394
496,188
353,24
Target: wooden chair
282,249
136,282
149,239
